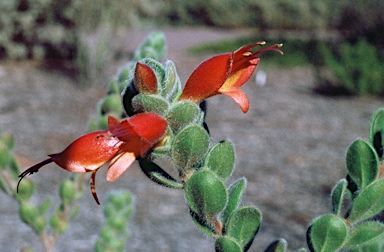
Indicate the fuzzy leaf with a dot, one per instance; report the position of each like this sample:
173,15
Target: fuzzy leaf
369,202
44,207
111,103
362,163
67,191
172,84
327,233
206,194
227,244
202,224
28,212
221,159
182,114
158,175
150,103
279,245
364,233
235,193
243,225
377,132
189,146
337,195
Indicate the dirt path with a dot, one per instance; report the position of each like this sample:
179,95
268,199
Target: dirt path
291,147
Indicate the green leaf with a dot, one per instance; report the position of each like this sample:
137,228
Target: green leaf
5,156
150,103
362,163
172,83
369,202
111,103
364,233
189,146
26,190
44,207
182,114
279,245
67,191
28,212
337,195
39,224
8,140
206,194
327,233
227,244
205,226
377,132
158,175
374,246
243,225
221,159
235,193
154,46
58,225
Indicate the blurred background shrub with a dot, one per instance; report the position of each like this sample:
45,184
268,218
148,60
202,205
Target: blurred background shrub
80,31
52,28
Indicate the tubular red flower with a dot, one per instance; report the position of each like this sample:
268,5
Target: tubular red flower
120,145
225,74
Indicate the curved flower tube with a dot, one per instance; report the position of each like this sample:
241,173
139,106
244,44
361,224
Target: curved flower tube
120,145
225,74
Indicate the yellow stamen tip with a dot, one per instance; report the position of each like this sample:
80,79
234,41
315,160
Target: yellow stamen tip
279,45
247,54
262,43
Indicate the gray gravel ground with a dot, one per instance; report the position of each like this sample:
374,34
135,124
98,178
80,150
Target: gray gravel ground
290,146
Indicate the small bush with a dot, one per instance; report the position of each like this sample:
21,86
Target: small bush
357,67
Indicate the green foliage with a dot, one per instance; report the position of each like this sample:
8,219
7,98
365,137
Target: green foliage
327,233
362,163
189,146
52,29
364,233
376,136
357,67
337,196
221,159
114,232
113,104
243,225
356,200
279,245
235,192
206,194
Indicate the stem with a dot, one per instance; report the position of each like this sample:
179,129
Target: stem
48,241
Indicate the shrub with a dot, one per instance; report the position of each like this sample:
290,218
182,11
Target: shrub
357,68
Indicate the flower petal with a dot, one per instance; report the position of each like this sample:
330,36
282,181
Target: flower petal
149,126
207,78
88,152
119,165
239,97
112,121
145,79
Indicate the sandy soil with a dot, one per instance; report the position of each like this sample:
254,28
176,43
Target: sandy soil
290,146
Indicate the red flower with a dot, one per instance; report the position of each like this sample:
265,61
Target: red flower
225,74
120,145
145,79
